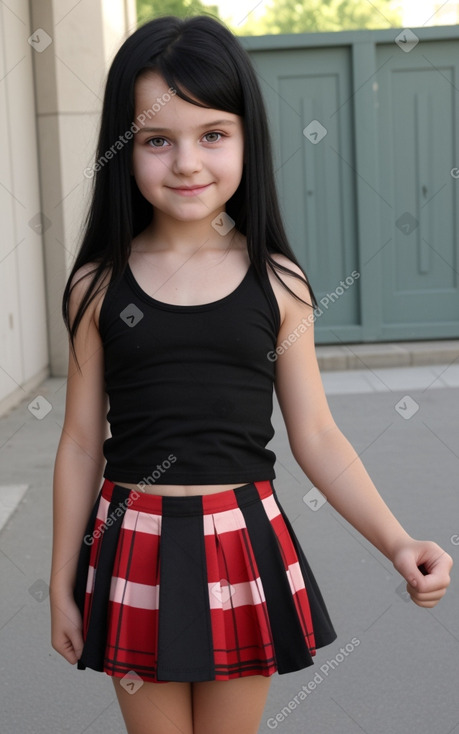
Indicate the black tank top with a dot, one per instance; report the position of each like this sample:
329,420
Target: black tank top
190,387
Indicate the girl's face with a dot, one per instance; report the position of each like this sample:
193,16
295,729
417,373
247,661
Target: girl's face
187,160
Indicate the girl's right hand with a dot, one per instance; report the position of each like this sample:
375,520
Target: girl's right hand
66,627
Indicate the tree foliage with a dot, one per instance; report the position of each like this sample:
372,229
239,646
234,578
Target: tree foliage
306,16
287,16
149,9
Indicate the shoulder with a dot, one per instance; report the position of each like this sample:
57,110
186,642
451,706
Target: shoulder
286,301
79,285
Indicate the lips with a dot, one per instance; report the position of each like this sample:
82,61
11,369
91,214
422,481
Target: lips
190,190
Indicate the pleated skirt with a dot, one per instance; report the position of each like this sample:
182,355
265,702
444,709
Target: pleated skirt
196,588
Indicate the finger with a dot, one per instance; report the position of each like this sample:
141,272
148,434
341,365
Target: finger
432,563
70,656
414,573
430,596
426,604
435,580
77,643
436,564
429,587
434,596
65,649
71,648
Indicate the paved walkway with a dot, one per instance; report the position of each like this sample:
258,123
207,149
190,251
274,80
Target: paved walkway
394,668
387,354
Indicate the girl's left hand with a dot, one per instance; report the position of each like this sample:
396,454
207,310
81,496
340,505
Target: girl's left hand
424,590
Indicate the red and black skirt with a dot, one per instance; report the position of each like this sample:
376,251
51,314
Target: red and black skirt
196,588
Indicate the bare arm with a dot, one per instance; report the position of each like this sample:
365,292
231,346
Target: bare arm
78,467
332,464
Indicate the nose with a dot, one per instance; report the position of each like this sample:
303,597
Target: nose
187,159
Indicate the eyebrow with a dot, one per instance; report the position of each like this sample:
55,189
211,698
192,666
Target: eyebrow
200,127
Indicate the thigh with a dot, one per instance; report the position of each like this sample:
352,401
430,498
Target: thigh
156,708
229,706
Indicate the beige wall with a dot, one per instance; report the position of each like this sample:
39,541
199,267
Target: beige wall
23,328
54,56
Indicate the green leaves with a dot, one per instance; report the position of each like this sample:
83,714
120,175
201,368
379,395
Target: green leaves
149,9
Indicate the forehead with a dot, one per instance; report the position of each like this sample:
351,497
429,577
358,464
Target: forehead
152,96
150,83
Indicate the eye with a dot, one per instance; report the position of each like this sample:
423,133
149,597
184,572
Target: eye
153,141
214,133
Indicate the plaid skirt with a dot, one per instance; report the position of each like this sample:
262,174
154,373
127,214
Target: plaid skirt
196,588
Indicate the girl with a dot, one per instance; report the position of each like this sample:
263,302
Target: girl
182,567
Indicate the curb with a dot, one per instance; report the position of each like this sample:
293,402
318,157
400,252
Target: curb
10,498
400,354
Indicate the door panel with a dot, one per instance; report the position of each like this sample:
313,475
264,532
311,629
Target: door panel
418,141
411,290
308,90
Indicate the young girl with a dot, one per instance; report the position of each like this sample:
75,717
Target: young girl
182,568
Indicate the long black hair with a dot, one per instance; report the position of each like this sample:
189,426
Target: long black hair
201,55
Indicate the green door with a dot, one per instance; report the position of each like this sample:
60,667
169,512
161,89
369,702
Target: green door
367,169
418,156
311,125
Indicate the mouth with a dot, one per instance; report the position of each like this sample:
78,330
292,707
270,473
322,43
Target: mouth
190,190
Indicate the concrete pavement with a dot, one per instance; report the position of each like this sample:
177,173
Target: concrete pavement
394,667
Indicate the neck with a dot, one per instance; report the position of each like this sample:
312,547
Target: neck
165,233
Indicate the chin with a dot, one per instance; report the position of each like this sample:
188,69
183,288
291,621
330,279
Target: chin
190,217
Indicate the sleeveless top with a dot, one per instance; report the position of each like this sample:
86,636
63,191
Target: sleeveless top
190,388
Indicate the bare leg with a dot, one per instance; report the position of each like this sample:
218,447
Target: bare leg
163,708
229,707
